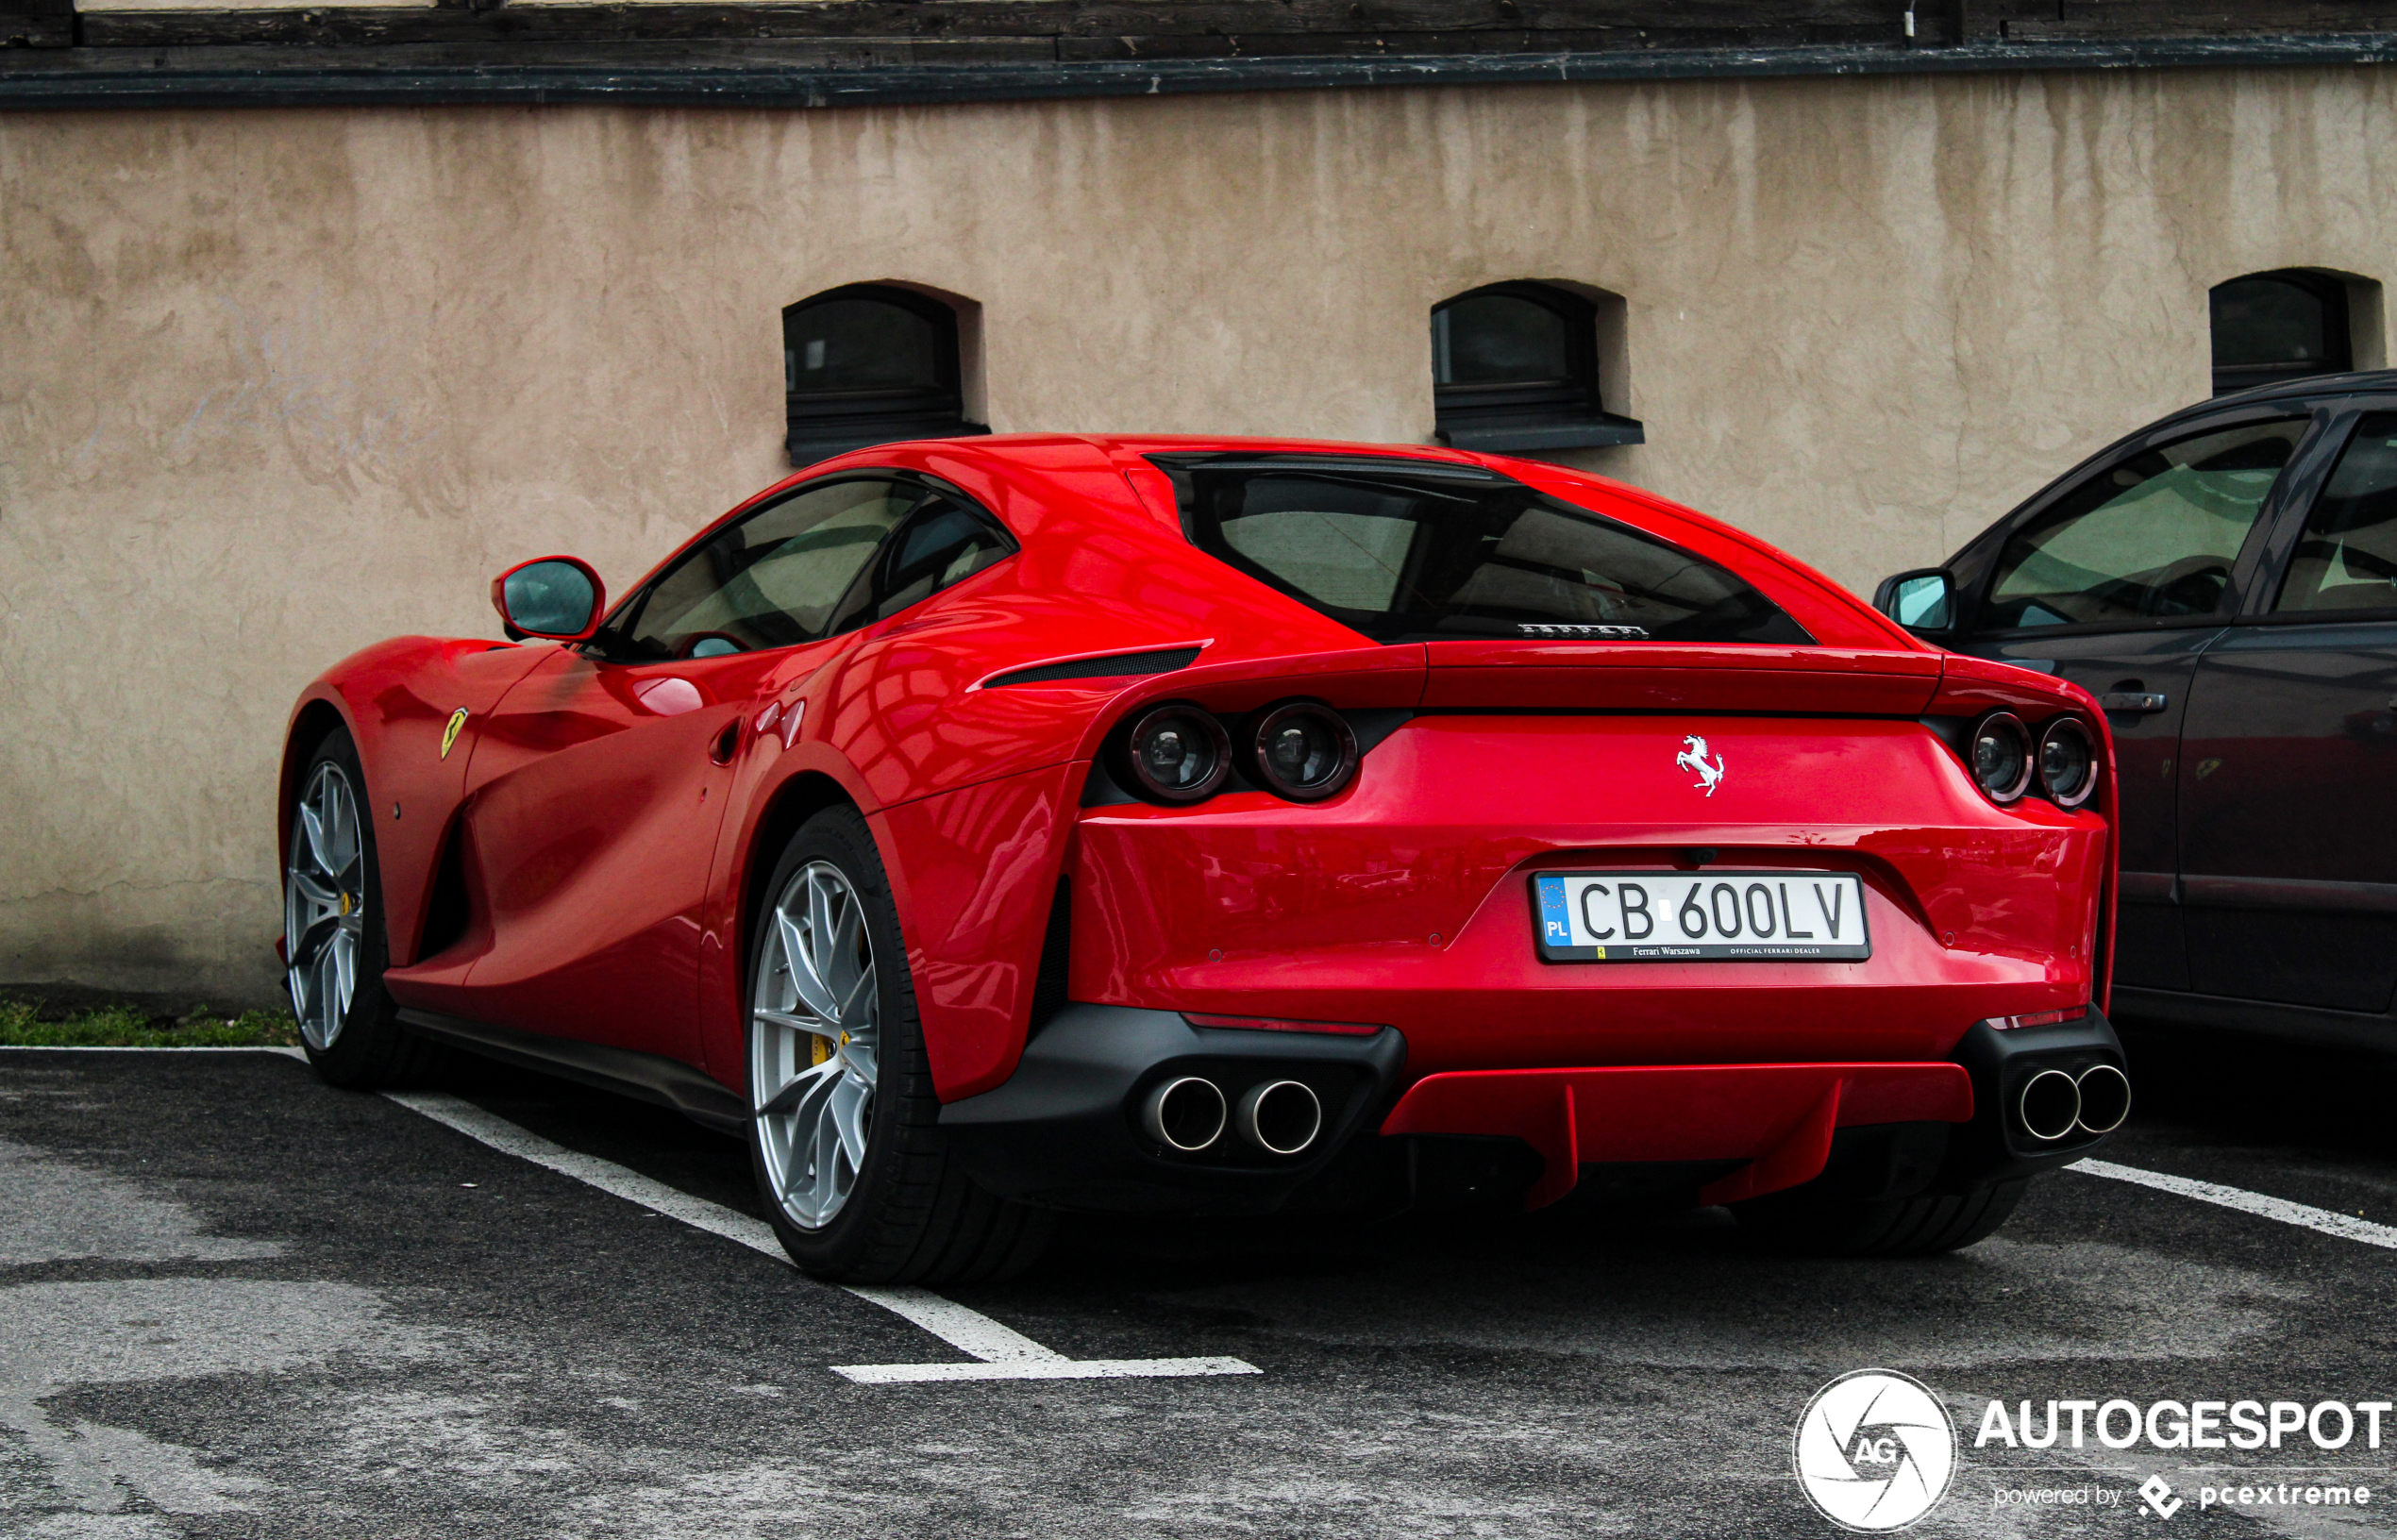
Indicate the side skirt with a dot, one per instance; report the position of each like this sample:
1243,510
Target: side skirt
650,1076
2311,1024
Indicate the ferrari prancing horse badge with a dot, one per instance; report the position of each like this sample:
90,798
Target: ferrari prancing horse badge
449,733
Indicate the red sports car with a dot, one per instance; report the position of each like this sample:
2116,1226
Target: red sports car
988,829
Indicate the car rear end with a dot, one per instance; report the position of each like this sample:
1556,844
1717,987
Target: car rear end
1634,852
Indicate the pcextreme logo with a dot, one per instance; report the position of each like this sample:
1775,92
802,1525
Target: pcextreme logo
1874,1450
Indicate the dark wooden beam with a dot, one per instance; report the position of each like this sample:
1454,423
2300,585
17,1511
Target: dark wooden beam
37,24
786,73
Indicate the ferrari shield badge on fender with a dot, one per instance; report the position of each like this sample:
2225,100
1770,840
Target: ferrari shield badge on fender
449,733
1693,758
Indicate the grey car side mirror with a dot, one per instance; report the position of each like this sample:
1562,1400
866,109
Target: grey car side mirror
558,598
1922,600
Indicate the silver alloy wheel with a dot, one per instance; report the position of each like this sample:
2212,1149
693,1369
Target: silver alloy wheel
814,1040
324,905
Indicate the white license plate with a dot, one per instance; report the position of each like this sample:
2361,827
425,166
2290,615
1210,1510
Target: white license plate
1710,916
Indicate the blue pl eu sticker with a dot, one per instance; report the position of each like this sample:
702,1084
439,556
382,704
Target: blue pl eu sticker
1554,926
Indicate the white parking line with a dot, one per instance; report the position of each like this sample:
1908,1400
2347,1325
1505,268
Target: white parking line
1002,1352
2346,1227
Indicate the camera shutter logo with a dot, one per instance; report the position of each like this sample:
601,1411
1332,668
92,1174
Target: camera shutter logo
1875,1450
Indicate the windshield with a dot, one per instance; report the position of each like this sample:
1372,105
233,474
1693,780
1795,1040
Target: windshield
1412,552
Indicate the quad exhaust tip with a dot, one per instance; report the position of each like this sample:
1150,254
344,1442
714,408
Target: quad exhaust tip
2106,1098
2049,1105
1280,1117
1187,1114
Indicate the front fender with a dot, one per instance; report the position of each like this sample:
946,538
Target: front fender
396,698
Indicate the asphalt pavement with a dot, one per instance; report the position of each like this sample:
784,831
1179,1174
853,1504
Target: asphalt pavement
235,1302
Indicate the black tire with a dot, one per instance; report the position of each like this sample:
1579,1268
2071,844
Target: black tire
1906,1227
912,1215
370,1049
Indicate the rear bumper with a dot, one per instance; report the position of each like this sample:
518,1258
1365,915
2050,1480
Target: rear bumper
1065,1130
1778,1119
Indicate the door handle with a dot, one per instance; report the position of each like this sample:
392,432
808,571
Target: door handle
2133,702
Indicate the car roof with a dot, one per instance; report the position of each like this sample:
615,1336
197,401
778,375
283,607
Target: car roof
2359,382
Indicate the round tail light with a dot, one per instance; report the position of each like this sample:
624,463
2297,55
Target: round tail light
1176,753
2001,756
2067,762
1303,751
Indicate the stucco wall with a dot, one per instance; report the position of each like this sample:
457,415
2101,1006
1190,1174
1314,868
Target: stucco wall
275,384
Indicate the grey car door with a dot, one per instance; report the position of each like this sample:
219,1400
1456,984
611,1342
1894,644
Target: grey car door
2288,769
2119,580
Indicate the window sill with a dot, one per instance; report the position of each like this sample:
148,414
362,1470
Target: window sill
825,440
1600,431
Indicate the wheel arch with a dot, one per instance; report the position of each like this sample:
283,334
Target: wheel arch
794,802
316,720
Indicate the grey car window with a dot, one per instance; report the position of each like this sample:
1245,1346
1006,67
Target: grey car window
2149,537
771,580
2347,557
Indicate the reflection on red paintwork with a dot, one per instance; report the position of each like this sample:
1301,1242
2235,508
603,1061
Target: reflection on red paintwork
613,864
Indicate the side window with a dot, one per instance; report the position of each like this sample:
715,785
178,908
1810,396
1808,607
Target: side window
945,542
2151,537
770,580
1404,556
2347,557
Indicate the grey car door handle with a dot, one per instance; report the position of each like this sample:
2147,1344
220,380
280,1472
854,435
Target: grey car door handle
2132,702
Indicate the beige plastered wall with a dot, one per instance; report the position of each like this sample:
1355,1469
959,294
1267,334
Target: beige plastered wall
275,384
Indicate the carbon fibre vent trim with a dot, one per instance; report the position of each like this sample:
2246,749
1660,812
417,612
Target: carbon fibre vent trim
1122,665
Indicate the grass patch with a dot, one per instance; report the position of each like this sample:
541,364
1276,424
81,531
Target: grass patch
23,1025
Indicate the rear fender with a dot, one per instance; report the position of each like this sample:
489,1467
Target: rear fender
975,873
1970,686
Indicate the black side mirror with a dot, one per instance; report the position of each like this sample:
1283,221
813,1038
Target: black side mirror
558,598
1923,600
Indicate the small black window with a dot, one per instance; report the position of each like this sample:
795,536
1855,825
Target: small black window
2273,326
1515,367
1443,553
870,365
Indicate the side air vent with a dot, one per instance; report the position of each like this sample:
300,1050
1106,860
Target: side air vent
1122,665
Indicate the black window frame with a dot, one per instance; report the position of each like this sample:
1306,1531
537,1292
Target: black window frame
2337,325
821,424
1566,414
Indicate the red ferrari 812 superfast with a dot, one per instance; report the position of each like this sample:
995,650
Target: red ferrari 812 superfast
984,829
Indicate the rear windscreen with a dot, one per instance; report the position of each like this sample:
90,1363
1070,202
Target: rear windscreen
1416,555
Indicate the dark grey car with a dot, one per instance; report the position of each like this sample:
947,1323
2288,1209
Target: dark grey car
2224,581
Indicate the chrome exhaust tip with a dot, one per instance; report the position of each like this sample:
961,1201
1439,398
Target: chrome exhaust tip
1187,1114
2106,1098
2049,1105
1280,1117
